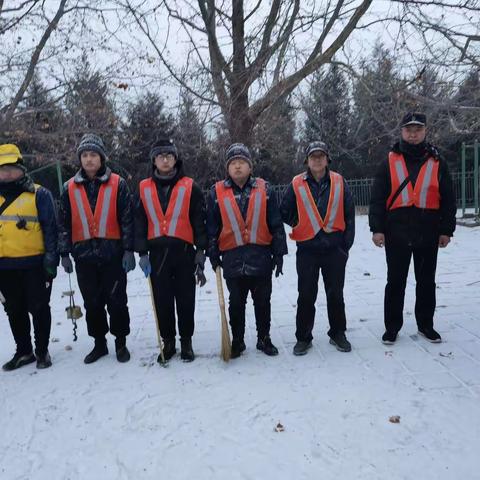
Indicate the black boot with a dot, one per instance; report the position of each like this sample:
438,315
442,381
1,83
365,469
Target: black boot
301,347
123,355
186,353
18,360
99,350
340,342
266,346
238,346
43,360
169,349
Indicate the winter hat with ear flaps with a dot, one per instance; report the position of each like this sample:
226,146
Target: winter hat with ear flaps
92,143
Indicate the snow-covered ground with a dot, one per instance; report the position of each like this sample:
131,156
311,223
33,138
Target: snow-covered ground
211,420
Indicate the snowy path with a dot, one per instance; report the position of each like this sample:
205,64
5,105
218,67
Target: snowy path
210,420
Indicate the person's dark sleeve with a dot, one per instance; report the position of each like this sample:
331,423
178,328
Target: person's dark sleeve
349,212
140,227
197,216
214,224
64,224
448,205
288,207
125,215
377,211
47,217
275,224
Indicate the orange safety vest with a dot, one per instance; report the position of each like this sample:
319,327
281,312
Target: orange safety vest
310,221
176,221
101,224
425,194
235,230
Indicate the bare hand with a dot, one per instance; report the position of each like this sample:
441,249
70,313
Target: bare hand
378,239
443,241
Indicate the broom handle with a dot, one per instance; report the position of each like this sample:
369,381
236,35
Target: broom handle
159,338
221,298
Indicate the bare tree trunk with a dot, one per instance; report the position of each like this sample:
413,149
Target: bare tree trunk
7,117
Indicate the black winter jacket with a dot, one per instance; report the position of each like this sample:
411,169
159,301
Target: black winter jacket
322,242
175,246
47,218
100,250
412,226
251,259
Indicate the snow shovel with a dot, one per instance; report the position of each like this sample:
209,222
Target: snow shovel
226,344
74,312
163,362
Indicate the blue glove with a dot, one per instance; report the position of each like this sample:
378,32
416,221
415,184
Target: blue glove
128,261
145,265
67,264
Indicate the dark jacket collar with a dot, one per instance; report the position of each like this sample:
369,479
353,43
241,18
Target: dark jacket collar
229,183
81,177
308,176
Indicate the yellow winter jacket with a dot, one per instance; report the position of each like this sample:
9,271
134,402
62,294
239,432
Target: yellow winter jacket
20,231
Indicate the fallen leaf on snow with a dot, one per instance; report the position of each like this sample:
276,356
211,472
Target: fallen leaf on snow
279,427
394,419
449,354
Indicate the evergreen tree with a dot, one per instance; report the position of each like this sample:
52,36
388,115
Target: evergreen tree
146,122
192,143
275,146
327,114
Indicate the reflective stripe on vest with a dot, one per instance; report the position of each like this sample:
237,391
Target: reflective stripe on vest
310,221
236,231
101,224
176,221
18,242
425,194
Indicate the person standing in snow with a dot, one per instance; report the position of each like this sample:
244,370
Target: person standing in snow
96,228
247,238
412,213
170,236
319,207
28,258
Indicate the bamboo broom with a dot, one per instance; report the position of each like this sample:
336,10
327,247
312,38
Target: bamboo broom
226,345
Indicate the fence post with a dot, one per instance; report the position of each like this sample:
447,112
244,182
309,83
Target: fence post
59,177
475,175
464,200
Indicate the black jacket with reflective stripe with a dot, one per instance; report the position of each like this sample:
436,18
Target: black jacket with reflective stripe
96,249
412,226
322,242
254,260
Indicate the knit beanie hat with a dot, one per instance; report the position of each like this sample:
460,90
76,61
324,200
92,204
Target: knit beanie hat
93,143
164,146
238,150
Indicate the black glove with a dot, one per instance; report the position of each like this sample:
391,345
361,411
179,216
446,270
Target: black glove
200,259
50,267
215,261
200,277
278,265
67,264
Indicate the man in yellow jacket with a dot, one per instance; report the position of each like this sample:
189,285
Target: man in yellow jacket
28,258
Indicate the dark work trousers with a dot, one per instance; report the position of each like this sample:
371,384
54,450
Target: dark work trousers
27,291
173,283
104,284
261,291
398,262
332,264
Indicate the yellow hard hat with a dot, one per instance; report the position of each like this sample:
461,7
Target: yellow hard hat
9,153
